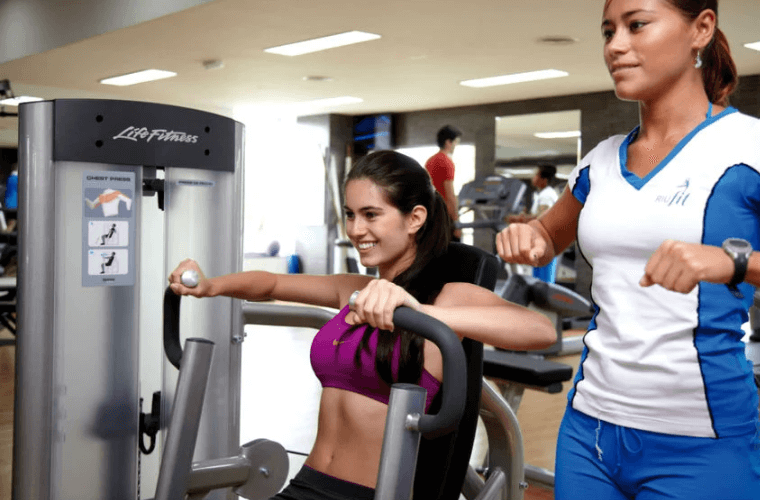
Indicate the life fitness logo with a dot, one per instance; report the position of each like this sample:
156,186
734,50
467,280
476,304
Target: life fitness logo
159,134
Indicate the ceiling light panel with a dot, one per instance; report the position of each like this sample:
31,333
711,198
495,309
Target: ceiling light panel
147,75
753,46
15,101
558,135
514,78
324,43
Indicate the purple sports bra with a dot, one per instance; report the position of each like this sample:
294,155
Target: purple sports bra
332,358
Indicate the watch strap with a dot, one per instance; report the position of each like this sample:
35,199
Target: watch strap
741,260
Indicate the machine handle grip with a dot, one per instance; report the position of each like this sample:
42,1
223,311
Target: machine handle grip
172,346
454,369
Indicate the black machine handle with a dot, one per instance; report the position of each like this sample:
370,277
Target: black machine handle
172,346
454,369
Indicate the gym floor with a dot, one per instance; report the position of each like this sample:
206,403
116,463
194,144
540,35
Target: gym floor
539,413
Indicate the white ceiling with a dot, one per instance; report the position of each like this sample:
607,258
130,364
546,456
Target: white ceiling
427,48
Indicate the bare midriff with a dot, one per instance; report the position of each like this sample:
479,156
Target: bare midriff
350,430
349,436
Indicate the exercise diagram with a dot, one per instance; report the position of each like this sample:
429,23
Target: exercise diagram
109,201
108,233
107,262
108,223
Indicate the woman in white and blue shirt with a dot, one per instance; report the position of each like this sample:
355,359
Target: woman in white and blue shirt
664,403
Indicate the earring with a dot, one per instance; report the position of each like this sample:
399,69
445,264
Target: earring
698,60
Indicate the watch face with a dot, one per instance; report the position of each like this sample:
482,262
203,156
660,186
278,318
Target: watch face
738,244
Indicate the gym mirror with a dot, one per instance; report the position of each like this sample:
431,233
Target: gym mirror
525,141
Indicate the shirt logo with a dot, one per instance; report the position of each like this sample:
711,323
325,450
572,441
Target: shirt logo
678,198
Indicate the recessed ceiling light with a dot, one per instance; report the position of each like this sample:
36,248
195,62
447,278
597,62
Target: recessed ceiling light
514,78
211,64
334,101
753,46
324,43
558,135
317,78
557,40
15,101
147,75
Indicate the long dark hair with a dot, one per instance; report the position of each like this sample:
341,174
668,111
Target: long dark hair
719,73
406,185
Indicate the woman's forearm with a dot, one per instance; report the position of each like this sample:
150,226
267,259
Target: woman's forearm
508,327
543,233
249,285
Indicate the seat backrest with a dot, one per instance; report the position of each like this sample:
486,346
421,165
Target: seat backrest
442,462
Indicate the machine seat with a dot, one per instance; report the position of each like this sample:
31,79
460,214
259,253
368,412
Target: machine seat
523,368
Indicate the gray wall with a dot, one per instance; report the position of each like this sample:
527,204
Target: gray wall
32,26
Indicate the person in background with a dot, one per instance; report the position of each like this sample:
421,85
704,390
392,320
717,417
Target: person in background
544,197
441,168
664,403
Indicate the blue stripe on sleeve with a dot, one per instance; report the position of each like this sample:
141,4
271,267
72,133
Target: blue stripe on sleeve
732,211
582,185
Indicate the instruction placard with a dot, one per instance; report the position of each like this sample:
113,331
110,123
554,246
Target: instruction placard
108,229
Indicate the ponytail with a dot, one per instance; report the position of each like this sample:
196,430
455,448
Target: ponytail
432,241
719,70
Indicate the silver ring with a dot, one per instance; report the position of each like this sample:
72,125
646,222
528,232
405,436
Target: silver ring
352,300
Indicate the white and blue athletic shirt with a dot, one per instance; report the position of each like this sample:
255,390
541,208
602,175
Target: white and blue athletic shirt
654,359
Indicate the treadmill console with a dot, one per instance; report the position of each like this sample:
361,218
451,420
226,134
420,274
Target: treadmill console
499,194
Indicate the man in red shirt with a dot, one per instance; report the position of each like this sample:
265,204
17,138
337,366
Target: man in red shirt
441,169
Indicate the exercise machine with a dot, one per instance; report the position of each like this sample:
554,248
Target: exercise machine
260,469
170,179
89,343
493,199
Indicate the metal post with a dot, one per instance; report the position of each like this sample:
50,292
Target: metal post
401,443
473,484
173,478
33,427
505,443
496,486
271,314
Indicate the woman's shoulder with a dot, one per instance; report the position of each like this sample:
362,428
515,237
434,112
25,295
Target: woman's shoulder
605,155
739,138
610,146
456,294
739,126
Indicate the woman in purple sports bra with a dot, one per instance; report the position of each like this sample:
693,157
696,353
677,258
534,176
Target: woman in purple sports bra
399,224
